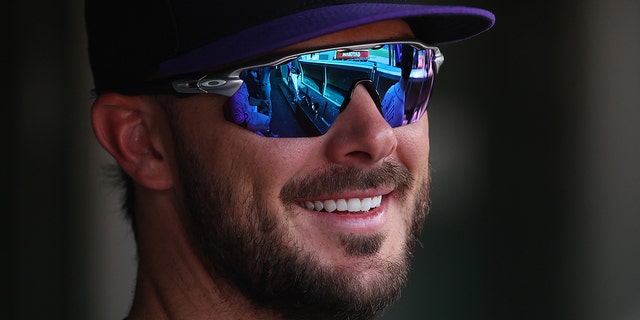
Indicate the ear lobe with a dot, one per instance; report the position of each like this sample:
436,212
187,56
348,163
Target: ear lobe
123,126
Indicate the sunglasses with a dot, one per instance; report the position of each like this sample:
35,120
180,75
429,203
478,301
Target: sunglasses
301,95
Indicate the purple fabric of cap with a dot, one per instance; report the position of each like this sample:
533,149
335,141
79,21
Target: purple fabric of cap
432,24
133,42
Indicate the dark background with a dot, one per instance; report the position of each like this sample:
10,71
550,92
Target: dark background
536,184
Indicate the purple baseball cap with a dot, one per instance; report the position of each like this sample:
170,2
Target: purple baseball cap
129,42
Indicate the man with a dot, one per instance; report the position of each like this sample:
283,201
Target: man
317,222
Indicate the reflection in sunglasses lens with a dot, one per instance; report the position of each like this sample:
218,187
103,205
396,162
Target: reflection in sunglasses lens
303,96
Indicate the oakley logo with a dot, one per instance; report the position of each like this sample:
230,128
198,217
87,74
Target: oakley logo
202,85
211,83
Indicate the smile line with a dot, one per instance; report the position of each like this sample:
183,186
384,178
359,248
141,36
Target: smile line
344,205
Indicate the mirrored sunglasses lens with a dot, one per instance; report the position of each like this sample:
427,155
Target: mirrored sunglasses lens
303,97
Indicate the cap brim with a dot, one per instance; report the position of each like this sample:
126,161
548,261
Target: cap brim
434,25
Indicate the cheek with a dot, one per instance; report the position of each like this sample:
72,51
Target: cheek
255,164
413,145
274,162
259,167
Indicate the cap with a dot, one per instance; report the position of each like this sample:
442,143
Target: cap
129,41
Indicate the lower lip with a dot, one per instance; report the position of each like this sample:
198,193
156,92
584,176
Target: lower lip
365,222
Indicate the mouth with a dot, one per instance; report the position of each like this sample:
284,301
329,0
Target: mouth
343,205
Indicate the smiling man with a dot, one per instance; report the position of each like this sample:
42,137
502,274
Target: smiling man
313,218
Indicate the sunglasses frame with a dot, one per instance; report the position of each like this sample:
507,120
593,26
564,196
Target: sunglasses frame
227,84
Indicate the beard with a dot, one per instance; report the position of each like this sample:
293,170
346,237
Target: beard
245,244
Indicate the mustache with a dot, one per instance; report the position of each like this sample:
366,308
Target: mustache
338,179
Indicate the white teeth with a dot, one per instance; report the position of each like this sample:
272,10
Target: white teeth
309,205
366,204
353,205
350,205
341,205
376,201
329,205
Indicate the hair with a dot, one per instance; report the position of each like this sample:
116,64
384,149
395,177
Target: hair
128,201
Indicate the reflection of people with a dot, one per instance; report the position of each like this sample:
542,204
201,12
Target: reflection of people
259,85
262,79
294,76
233,225
393,104
239,111
394,101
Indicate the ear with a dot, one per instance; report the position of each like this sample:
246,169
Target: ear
133,130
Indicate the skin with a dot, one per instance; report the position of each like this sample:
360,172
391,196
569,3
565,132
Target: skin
177,277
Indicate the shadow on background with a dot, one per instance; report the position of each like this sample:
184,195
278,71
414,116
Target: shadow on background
534,129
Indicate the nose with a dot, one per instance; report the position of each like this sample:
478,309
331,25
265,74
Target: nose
360,134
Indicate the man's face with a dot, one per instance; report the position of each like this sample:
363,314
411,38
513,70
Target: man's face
256,207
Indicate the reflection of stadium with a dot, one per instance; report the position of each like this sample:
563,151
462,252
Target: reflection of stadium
323,83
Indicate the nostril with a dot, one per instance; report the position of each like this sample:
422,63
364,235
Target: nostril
359,156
